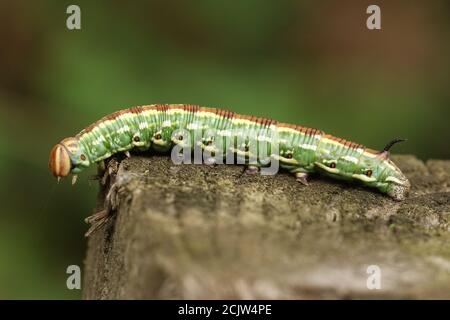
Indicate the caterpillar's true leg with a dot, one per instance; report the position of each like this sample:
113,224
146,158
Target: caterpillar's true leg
105,171
302,177
101,170
127,153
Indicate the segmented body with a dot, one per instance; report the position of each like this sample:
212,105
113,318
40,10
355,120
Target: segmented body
298,149
152,126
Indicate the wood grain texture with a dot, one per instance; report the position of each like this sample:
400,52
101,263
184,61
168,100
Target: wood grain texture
201,232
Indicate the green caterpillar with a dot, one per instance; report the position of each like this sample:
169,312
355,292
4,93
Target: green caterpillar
301,150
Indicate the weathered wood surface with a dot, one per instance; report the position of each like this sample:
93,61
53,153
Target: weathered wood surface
202,232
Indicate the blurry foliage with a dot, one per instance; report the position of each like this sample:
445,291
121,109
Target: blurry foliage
294,61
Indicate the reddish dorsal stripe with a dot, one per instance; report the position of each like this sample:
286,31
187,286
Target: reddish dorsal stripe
344,143
304,130
229,115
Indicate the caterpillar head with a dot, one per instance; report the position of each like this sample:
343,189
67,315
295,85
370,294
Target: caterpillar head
67,157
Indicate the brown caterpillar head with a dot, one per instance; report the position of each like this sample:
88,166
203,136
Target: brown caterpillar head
59,162
65,157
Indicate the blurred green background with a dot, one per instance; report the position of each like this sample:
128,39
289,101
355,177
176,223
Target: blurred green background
305,62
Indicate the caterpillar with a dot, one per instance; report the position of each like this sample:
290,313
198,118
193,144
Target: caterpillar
301,151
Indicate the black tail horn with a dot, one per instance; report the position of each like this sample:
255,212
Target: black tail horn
390,144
